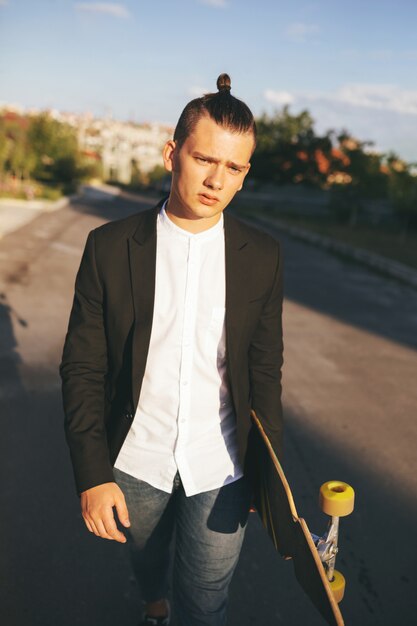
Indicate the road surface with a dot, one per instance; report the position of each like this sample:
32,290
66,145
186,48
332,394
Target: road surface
350,399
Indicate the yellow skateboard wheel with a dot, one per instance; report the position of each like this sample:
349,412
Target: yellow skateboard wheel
336,498
337,585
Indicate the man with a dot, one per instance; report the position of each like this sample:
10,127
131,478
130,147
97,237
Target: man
175,334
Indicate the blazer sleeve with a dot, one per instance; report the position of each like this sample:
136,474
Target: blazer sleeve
83,372
266,359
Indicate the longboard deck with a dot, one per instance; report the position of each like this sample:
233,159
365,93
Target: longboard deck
289,533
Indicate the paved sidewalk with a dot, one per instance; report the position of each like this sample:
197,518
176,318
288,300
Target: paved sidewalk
16,213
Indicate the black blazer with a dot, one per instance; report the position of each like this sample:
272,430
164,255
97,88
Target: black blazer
107,342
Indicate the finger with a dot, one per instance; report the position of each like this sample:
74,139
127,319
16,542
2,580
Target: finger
87,523
112,530
88,519
102,531
122,512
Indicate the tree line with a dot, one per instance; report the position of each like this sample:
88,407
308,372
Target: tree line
289,151
42,151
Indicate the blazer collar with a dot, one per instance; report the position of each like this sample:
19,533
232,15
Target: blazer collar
147,223
235,237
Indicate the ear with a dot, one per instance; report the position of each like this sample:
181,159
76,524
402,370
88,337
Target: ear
168,154
246,173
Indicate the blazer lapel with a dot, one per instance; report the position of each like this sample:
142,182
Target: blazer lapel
239,265
142,265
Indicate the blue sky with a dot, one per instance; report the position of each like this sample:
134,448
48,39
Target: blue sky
352,64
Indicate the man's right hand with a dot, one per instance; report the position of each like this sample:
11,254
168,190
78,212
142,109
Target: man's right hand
97,510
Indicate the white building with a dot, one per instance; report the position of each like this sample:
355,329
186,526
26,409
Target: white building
119,145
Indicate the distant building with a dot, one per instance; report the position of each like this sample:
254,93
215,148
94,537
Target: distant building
122,145
119,146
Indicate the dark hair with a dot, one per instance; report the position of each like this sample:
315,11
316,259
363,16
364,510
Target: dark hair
222,107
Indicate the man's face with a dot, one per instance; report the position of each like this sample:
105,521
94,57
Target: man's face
207,170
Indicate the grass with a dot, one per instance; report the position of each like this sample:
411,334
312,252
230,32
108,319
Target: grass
379,239
36,191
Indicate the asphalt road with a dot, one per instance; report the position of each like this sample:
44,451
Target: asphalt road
350,398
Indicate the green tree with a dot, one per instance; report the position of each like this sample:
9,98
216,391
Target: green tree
156,175
55,147
5,146
15,157
402,191
367,179
287,149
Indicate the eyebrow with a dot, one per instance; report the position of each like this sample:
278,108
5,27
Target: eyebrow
214,160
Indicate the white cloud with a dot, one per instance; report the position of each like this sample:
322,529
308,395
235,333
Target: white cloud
382,97
116,10
385,114
299,31
218,4
278,97
371,96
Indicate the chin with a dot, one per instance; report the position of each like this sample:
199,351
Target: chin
210,212
200,210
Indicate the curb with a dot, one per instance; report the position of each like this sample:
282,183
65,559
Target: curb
37,205
375,261
14,214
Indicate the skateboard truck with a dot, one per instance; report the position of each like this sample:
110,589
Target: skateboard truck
327,546
337,500
313,557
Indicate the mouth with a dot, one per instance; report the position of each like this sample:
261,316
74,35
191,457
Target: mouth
206,198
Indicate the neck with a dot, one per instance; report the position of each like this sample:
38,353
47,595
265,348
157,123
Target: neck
194,224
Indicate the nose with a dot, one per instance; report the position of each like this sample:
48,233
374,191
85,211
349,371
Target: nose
215,178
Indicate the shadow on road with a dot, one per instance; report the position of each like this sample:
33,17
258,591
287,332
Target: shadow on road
271,581
111,207
53,572
56,573
333,285
347,290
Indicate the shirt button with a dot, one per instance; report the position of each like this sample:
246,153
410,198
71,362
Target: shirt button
185,382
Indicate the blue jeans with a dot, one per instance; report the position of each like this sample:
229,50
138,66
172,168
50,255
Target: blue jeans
209,531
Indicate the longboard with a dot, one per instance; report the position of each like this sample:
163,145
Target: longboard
290,534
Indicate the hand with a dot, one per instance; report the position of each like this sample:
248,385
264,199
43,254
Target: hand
97,510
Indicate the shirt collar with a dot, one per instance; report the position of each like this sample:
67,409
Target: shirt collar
169,225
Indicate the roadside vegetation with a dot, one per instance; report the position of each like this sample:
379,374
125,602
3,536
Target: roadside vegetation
40,158
333,183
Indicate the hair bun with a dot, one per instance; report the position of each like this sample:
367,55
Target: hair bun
224,83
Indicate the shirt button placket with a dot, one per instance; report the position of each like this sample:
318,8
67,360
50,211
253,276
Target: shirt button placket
186,343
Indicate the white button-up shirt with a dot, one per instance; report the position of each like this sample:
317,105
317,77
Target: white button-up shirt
185,419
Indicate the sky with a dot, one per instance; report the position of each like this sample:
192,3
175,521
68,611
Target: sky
353,64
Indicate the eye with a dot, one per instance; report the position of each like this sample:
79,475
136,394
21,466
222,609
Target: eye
201,159
235,170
